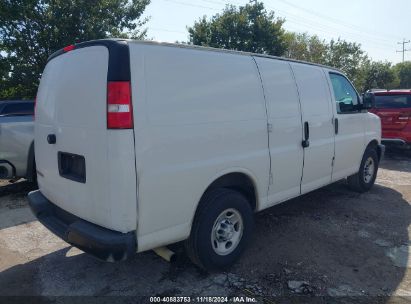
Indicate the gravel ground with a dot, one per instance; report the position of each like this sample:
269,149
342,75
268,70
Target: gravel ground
329,244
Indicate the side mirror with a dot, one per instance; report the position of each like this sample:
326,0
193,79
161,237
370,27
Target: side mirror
367,100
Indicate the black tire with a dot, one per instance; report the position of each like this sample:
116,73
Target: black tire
358,182
199,246
34,174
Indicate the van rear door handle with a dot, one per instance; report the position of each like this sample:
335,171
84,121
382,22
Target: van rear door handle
306,141
51,139
336,125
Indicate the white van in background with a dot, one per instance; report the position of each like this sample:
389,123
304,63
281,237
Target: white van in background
140,144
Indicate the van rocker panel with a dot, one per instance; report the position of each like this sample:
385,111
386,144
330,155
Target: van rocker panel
103,243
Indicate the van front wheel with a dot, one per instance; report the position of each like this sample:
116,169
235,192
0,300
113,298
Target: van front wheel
365,178
221,229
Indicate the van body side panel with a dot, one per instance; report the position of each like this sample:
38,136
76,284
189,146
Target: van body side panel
71,104
198,115
372,128
317,111
284,114
349,144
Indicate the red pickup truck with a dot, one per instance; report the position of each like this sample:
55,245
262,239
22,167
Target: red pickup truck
394,109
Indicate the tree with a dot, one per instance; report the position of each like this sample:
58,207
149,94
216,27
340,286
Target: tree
403,72
302,46
31,30
340,54
348,57
247,28
377,75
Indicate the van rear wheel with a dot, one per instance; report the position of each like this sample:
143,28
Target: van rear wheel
365,178
221,229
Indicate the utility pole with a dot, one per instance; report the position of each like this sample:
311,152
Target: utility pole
403,48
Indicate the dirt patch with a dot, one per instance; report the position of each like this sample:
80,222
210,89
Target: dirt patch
13,203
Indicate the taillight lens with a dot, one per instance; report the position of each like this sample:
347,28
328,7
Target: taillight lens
119,107
69,48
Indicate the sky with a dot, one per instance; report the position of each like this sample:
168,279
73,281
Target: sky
378,25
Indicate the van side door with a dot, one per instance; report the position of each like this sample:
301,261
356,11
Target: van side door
284,129
318,129
349,126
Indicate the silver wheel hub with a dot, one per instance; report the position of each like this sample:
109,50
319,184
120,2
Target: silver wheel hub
369,169
227,232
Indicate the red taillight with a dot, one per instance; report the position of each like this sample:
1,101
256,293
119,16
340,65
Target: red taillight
119,108
69,48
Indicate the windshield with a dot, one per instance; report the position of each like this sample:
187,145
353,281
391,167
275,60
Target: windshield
393,101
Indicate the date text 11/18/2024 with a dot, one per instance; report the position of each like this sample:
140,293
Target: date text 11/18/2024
203,299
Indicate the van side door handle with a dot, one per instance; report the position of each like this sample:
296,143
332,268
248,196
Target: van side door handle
306,141
336,125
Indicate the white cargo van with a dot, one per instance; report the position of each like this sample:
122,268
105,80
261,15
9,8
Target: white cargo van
141,144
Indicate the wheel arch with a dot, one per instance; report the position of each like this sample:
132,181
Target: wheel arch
374,144
31,164
236,179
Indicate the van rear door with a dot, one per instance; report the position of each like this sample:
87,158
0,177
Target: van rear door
83,166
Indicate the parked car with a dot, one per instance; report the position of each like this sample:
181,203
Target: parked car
16,140
142,144
394,109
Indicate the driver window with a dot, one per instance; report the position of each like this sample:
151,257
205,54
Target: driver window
345,95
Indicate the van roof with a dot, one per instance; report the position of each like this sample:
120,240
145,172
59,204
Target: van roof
205,48
112,41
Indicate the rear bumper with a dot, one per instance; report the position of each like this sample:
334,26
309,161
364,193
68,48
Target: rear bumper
398,142
397,137
103,243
